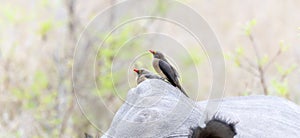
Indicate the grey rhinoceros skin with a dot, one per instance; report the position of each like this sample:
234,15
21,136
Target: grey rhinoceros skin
157,109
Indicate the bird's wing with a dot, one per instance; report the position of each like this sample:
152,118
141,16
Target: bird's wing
152,76
167,69
176,73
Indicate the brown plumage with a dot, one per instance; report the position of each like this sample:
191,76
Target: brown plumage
144,74
166,70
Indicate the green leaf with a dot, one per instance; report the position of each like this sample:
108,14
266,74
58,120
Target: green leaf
283,46
245,93
239,51
18,93
47,99
237,61
197,58
30,104
55,121
45,27
228,56
162,6
40,83
279,69
41,78
10,13
248,27
107,52
263,60
285,71
291,69
280,87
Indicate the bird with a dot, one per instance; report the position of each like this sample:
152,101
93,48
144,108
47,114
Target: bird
215,128
166,70
144,74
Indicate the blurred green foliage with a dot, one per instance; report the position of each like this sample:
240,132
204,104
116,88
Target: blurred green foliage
280,87
249,26
284,71
45,27
258,68
11,13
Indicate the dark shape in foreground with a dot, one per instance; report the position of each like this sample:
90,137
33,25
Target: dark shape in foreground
215,128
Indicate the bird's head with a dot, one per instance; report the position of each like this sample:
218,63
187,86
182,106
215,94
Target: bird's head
141,71
157,54
137,71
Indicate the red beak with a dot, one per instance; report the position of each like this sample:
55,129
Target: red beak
136,70
151,51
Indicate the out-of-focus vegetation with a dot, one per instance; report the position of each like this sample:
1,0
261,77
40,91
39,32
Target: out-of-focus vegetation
260,40
259,66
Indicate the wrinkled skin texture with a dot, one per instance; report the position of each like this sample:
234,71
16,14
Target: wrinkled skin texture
157,109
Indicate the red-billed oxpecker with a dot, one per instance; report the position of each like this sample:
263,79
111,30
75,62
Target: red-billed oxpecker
144,74
165,69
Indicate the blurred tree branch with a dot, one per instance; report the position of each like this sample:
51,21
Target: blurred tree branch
261,64
65,104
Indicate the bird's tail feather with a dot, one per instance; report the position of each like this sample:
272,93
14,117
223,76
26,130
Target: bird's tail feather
182,90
